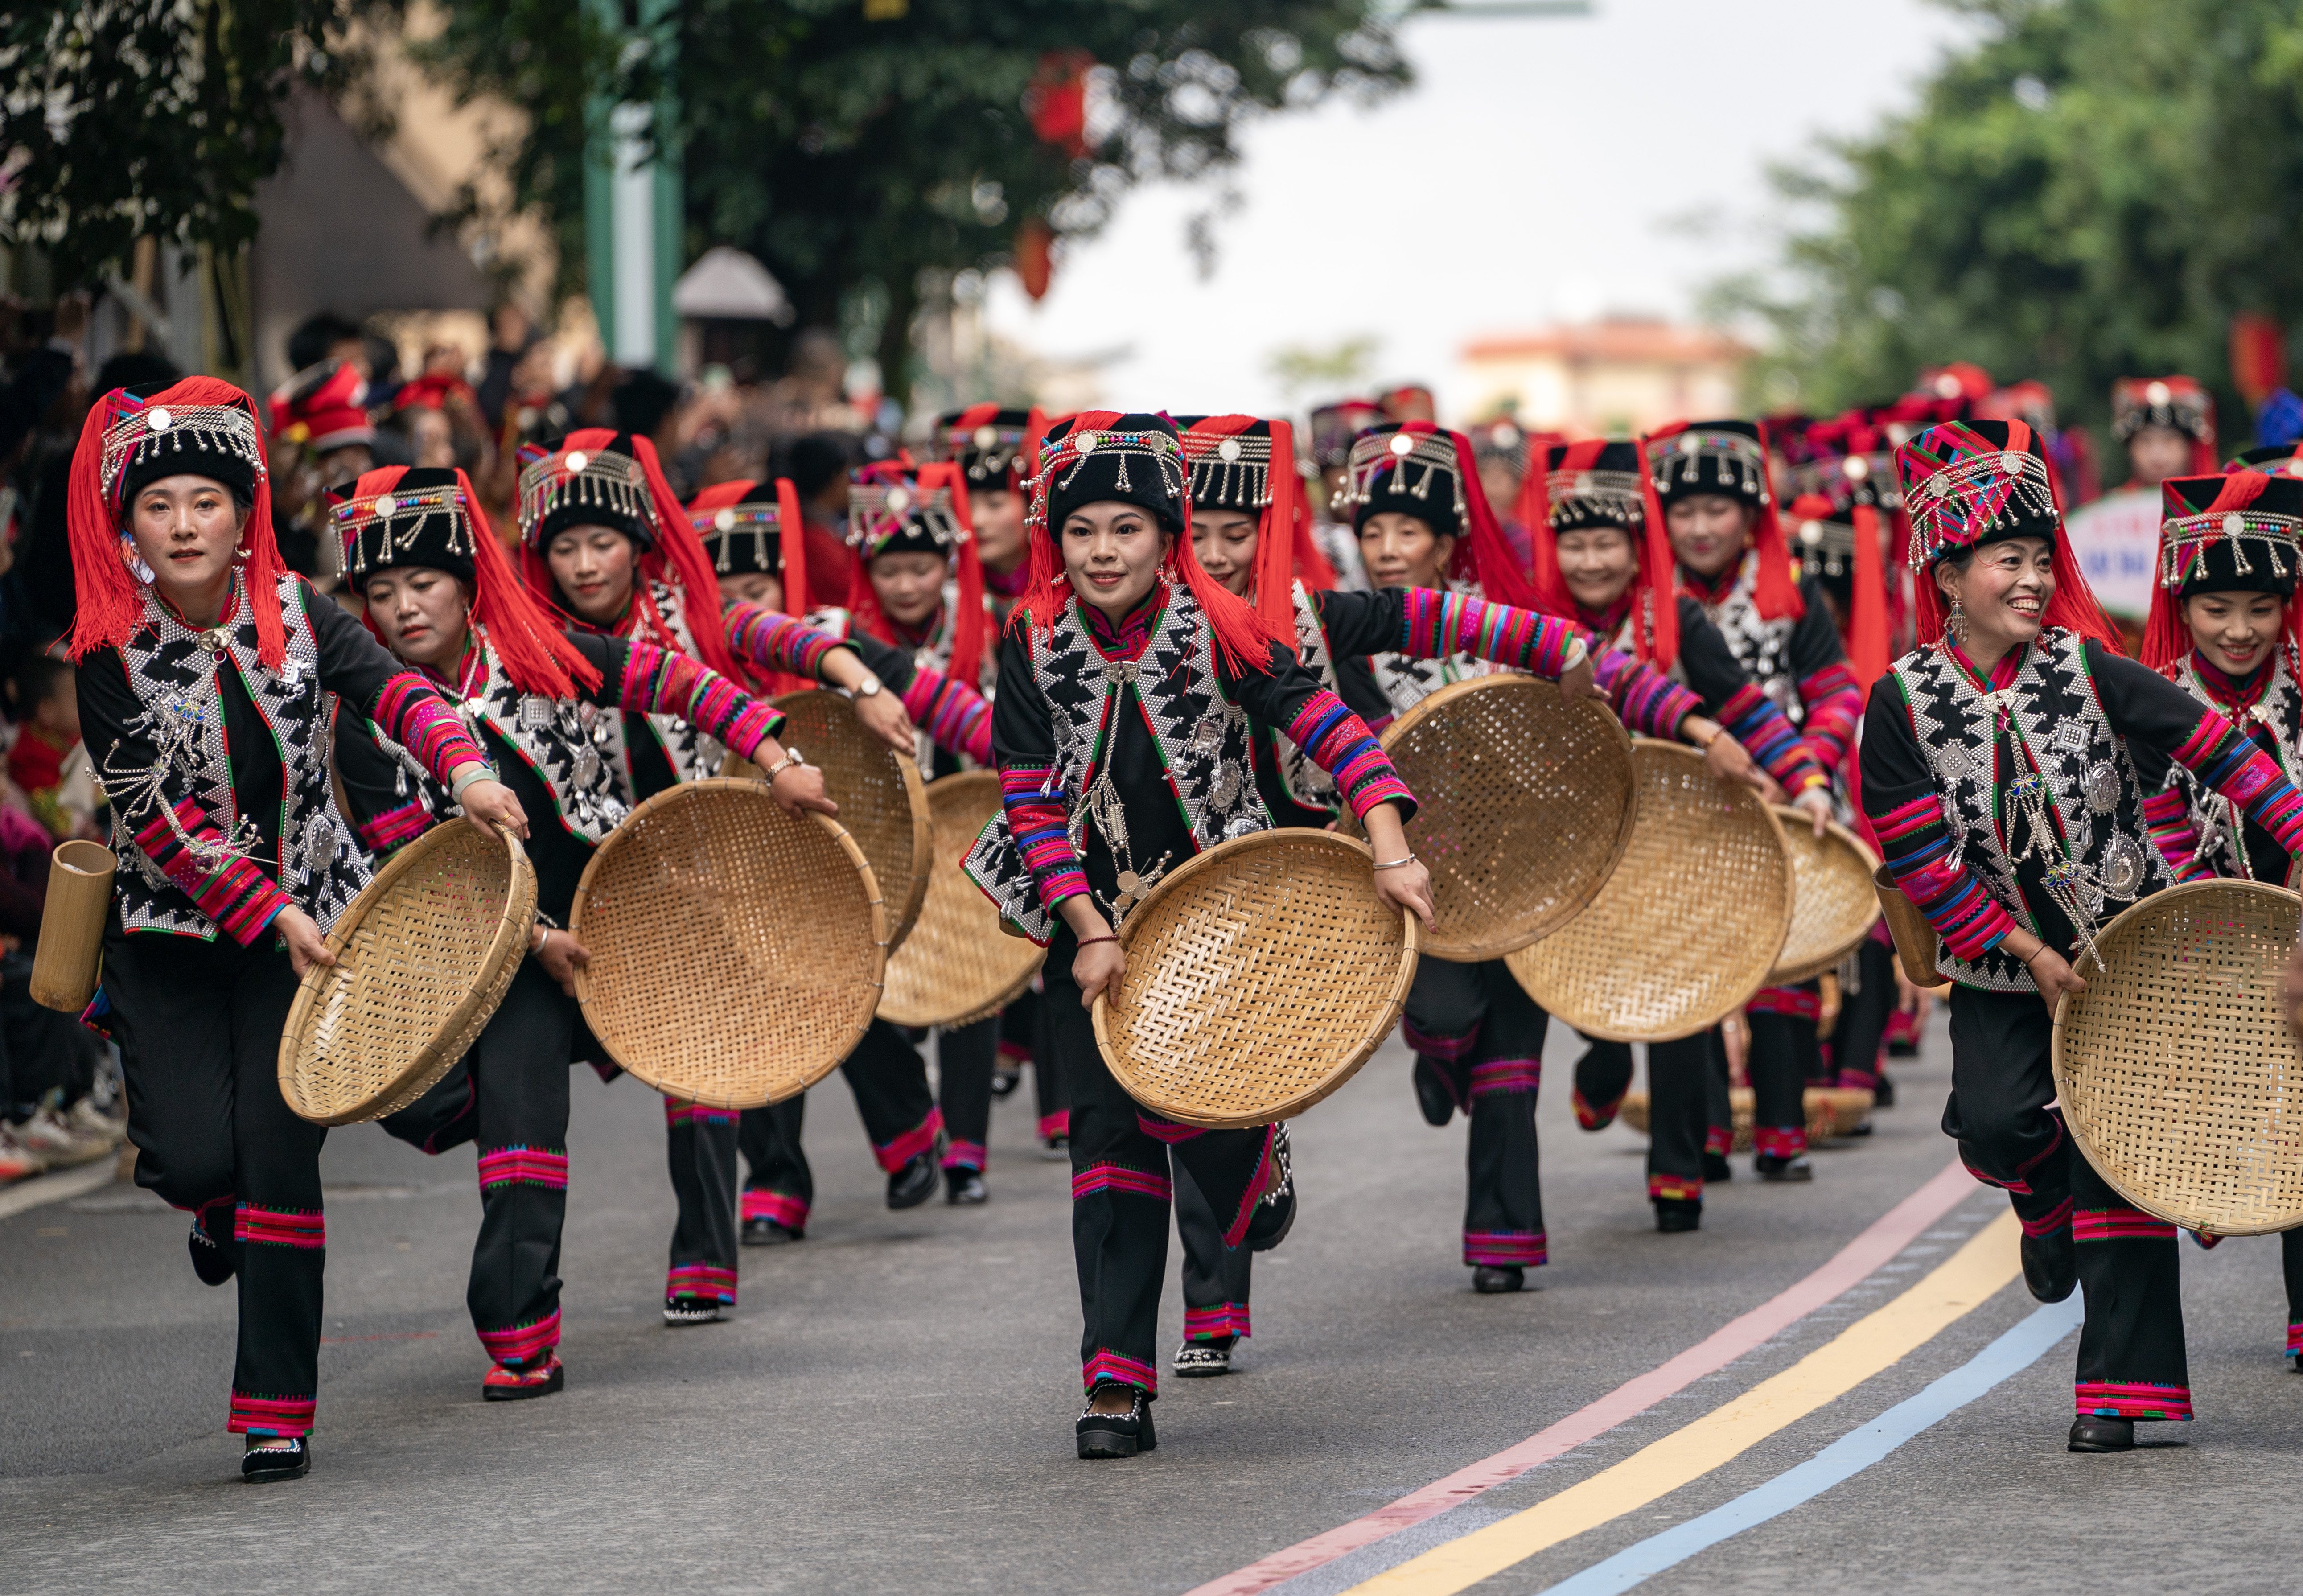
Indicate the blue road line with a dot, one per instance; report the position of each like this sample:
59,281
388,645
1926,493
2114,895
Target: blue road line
1850,1454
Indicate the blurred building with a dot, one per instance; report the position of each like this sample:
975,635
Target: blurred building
1615,374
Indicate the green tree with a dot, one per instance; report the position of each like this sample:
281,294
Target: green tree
866,152
122,118
2093,189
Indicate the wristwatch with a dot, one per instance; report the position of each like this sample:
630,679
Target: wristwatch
869,688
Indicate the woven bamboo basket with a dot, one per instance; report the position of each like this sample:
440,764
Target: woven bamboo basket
957,967
1691,922
1916,943
1261,975
2177,1073
1831,1111
883,804
67,963
1524,807
423,956
1833,905
736,952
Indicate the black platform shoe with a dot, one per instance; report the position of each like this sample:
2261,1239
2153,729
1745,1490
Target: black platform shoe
1274,1215
914,1183
1056,1149
965,1189
504,1383
1432,1094
214,1262
1198,1360
1717,1169
767,1233
1493,1279
1883,1094
1676,1214
2092,1434
2051,1268
1115,1434
1004,1083
276,1457
691,1310
1783,1171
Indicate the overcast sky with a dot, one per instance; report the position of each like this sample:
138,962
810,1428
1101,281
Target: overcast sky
1539,170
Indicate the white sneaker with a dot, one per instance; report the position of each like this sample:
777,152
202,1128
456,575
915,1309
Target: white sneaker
85,1118
46,1134
18,1162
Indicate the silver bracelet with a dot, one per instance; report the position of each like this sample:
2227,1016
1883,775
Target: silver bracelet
1395,864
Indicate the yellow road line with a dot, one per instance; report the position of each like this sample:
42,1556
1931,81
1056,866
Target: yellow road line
1969,1279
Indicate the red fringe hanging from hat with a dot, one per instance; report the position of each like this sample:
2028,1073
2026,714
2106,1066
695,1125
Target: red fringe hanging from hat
108,604
2167,634
2074,607
535,654
1654,637
1775,590
1311,567
1867,605
1657,604
791,543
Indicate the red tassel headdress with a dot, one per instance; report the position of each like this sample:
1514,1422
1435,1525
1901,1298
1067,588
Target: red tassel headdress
892,508
1600,482
2222,534
206,427
1729,458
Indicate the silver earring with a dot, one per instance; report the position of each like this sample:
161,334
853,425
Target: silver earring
1955,623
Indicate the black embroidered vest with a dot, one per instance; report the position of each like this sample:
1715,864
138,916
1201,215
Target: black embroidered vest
1762,647
2087,776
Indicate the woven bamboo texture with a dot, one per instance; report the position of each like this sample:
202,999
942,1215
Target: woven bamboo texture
1524,807
423,956
1831,1111
2178,1075
1261,975
883,804
957,967
737,951
1916,943
79,904
1833,904
1690,923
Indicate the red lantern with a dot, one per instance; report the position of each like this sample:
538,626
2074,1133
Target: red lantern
1033,241
1057,100
2258,356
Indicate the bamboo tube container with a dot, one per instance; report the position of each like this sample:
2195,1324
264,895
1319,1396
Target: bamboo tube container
71,925
1914,938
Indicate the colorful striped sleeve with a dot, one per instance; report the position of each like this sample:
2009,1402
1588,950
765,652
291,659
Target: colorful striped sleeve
772,640
1752,719
1646,700
412,712
1835,703
1915,844
1039,819
1340,744
656,682
389,829
2167,820
1440,624
956,718
231,892
2220,755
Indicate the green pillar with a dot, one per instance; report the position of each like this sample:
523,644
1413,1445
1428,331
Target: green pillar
632,202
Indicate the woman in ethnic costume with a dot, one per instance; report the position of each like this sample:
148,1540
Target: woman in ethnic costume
1130,686
1601,557
441,595
605,543
206,673
2014,768
2223,627
742,529
1711,479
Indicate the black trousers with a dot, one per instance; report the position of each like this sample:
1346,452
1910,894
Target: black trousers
1476,1026
1025,1026
964,1058
198,1026
1785,1054
509,1094
700,1155
1122,1158
1718,1102
1687,1114
1865,1006
2132,1362
2290,1260
1216,1278
900,1117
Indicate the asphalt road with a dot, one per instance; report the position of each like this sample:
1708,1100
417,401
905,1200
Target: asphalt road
890,1408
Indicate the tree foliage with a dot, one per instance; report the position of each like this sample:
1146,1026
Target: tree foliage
119,118
858,157
2093,189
